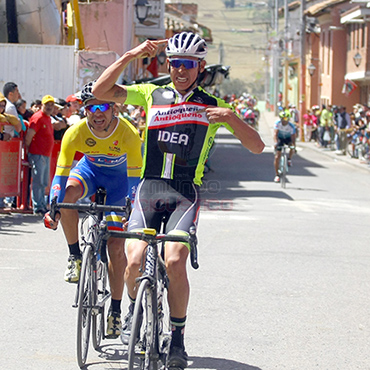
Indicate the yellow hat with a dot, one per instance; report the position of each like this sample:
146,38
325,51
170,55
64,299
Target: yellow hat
2,97
47,99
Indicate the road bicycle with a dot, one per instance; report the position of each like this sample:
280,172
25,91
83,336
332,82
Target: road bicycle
283,166
151,330
92,289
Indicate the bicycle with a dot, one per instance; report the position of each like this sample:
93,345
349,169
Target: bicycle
151,330
92,288
283,166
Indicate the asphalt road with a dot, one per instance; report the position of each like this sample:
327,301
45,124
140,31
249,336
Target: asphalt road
283,281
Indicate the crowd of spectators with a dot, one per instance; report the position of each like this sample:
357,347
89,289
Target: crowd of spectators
40,125
332,127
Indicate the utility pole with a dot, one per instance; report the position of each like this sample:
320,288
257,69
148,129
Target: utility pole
286,40
276,57
11,20
266,60
302,85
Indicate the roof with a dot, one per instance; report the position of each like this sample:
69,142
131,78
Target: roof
179,21
319,7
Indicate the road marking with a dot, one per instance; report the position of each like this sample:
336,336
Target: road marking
229,216
26,250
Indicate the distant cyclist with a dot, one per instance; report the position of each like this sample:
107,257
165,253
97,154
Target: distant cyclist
112,159
284,134
182,121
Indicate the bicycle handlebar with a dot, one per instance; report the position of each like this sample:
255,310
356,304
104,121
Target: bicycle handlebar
91,208
149,238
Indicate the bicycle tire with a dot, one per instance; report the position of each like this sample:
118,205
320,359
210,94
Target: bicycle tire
283,170
164,322
84,307
98,318
142,344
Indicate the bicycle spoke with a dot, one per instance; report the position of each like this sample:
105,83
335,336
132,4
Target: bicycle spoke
84,308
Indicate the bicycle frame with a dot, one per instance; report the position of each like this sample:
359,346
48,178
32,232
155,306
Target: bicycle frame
154,340
91,293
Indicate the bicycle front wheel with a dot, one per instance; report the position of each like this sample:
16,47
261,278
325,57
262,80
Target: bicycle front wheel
98,315
142,347
84,307
283,170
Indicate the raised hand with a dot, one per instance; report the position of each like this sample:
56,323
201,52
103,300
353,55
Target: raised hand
148,49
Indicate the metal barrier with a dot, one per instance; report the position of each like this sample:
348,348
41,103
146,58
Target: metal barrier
10,168
15,174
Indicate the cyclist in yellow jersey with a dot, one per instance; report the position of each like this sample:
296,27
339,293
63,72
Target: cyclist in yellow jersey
182,120
112,159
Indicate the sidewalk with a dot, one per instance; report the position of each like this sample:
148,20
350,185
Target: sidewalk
266,123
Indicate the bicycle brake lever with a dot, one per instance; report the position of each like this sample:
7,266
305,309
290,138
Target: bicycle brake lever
53,208
193,241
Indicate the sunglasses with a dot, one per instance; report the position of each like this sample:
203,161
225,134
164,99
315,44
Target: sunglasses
102,107
187,63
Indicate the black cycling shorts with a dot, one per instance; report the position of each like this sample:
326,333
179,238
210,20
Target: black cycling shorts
281,142
174,203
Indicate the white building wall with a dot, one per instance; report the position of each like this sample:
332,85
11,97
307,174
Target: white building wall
39,69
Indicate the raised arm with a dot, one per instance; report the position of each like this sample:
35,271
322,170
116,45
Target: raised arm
106,88
247,135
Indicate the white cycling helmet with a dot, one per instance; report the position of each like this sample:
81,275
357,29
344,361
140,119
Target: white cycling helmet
187,44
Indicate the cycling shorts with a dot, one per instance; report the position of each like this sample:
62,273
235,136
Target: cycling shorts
281,142
172,202
90,177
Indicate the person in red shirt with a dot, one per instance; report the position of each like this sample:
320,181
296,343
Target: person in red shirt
39,143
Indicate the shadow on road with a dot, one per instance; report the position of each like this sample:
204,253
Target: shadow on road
232,164
219,364
115,354
9,223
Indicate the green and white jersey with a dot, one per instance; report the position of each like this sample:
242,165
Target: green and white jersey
178,136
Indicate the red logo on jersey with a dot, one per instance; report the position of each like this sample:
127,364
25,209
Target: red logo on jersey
56,187
115,142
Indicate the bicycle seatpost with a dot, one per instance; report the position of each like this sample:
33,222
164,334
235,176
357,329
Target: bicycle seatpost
101,195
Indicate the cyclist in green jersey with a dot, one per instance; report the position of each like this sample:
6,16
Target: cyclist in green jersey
182,120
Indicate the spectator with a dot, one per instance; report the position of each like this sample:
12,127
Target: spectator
74,114
315,122
307,125
324,126
20,105
36,105
39,143
5,119
59,123
12,94
343,126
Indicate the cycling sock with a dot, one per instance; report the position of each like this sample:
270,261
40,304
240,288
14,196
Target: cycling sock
115,305
178,329
74,249
132,300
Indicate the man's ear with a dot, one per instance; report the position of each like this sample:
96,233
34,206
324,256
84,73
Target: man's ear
202,65
168,65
